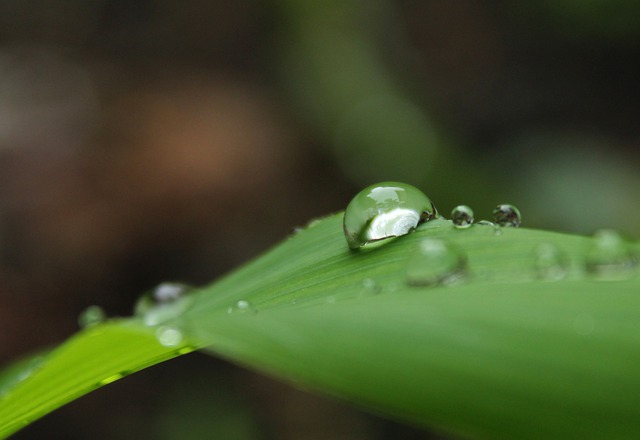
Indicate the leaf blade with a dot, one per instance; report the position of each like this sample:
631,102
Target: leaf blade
504,301
88,360
516,356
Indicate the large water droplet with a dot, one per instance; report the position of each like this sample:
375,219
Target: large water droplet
551,263
387,209
436,262
91,316
462,216
165,302
610,257
507,215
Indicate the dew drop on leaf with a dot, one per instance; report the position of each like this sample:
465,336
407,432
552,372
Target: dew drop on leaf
387,209
462,216
436,262
241,306
169,336
167,301
496,229
370,287
551,263
311,224
507,215
610,257
164,293
91,316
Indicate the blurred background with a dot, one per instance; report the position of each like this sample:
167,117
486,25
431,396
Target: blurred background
144,141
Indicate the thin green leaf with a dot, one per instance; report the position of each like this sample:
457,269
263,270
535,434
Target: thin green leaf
92,358
503,354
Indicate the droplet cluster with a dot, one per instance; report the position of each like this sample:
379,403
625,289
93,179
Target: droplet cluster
393,209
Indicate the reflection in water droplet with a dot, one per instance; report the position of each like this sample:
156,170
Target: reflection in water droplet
462,216
610,257
436,262
507,215
91,316
168,336
242,306
551,263
167,301
387,209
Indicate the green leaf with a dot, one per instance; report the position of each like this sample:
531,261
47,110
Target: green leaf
504,354
92,358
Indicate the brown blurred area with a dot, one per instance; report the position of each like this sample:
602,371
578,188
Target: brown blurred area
143,141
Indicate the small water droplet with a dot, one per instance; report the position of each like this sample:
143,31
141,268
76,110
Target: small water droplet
242,306
168,336
462,216
507,215
32,365
91,316
436,262
313,223
384,210
610,257
551,263
310,225
25,369
370,287
497,230
164,293
167,301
